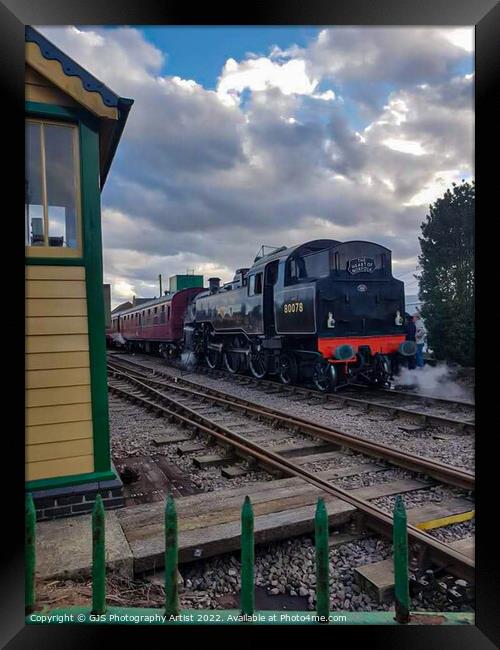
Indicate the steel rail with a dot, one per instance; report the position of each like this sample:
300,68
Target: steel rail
376,519
444,473
463,425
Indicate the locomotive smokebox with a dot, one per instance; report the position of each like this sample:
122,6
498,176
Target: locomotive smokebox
214,284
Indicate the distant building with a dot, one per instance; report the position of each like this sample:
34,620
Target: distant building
124,305
128,304
186,281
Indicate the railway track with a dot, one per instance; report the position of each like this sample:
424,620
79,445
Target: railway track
200,409
424,410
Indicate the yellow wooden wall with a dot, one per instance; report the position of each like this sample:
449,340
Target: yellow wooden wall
58,404
39,89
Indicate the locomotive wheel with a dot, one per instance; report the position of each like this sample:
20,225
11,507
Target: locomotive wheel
232,361
212,358
288,370
323,376
382,370
258,364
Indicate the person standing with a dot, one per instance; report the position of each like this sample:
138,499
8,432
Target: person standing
410,330
420,338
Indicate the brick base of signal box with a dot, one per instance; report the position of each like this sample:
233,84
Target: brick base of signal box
77,499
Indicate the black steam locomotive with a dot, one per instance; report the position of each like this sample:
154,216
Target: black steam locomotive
327,311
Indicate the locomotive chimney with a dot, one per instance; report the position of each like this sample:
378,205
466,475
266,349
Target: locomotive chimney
213,284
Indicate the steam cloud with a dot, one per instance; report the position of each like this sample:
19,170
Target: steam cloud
188,360
437,381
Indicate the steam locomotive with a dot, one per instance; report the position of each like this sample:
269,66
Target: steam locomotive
325,311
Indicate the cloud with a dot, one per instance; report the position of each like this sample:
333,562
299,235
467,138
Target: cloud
348,138
288,75
364,61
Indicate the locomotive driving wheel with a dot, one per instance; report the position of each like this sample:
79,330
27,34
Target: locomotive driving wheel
288,369
381,370
212,358
323,375
233,360
257,363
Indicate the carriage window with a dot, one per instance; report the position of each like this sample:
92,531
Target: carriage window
52,213
168,312
255,284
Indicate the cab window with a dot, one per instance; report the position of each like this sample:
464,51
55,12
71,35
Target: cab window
309,267
255,284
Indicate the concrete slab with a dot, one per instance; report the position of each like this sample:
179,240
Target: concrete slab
338,539
233,471
378,578
64,547
465,546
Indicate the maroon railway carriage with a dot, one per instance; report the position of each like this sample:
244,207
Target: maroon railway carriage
154,326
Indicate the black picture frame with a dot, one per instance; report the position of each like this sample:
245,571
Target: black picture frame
485,15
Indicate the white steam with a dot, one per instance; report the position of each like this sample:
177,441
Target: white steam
436,380
188,360
118,338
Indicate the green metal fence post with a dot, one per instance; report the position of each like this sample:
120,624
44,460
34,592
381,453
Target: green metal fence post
247,559
171,559
322,561
400,550
98,558
30,554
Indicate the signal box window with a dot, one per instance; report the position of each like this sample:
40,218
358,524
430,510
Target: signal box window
52,189
255,285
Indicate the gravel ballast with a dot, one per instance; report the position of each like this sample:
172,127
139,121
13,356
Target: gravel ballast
441,443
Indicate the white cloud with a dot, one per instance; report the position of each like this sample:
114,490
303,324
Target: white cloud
405,146
202,179
462,37
263,73
438,185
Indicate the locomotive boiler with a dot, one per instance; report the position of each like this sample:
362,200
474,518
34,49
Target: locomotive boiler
326,311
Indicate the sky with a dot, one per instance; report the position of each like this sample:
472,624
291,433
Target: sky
244,136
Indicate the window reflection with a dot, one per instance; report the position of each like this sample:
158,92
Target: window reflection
51,185
34,224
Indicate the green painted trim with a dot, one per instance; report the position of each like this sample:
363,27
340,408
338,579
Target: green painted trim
54,111
65,481
53,261
117,616
92,255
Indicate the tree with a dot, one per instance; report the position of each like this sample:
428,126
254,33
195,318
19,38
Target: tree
447,281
